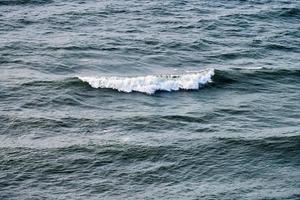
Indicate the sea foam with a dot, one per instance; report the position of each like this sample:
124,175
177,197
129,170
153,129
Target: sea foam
151,83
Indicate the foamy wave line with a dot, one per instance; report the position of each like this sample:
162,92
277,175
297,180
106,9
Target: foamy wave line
151,83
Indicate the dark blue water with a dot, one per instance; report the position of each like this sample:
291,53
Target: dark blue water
155,99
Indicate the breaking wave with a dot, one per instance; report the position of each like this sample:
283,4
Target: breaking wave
151,83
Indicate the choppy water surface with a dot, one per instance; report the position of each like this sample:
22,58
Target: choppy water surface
149,99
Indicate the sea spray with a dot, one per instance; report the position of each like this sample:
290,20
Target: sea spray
151,83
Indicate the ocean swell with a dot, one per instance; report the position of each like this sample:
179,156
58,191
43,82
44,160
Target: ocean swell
151,83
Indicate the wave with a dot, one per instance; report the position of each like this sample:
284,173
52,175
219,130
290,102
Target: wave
193,80
23,2
239,78
151,83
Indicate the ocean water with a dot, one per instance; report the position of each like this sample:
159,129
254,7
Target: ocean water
149,100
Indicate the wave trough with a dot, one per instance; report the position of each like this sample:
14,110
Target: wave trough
151,83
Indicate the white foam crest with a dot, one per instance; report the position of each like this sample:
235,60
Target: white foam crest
151,83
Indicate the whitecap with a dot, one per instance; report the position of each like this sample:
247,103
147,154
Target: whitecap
151,83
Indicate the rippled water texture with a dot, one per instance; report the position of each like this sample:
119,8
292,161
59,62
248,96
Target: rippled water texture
149,99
